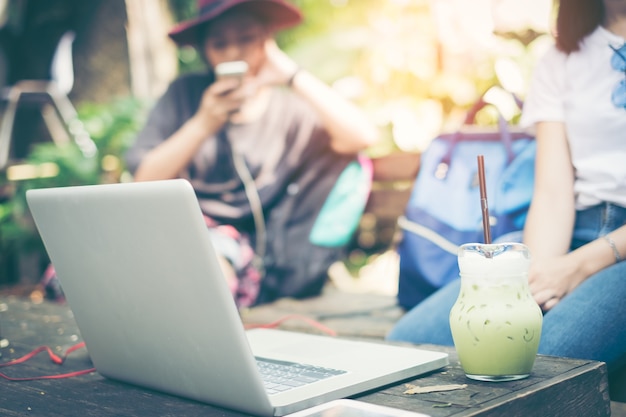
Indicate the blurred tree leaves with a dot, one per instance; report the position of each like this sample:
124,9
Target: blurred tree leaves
111,126
410,64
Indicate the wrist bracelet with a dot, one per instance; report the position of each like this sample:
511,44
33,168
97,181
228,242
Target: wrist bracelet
293,77
611,243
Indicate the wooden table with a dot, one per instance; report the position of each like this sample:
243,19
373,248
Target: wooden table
557,387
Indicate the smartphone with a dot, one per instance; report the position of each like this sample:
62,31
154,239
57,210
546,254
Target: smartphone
352,408
234,69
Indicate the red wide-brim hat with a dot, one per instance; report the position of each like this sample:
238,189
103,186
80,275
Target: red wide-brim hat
277,14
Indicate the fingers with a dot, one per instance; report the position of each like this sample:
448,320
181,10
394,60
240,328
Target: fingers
278,65
541,297
272,51
224,97
550,303
225,86
546,299
270,45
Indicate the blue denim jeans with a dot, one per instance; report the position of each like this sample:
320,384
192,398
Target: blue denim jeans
589,323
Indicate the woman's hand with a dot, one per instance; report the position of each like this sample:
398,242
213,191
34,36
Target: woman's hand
221,100
349,128
278,67
551,280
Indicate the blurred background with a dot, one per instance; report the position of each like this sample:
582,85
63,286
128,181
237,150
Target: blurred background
77,78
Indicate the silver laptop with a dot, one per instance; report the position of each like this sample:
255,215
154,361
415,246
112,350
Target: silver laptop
139,271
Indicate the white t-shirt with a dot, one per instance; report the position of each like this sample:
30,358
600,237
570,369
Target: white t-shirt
576,89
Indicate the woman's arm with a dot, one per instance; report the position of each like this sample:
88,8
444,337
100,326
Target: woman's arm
169,159
555,271
349,129
548,228
550,222
600,253
552,279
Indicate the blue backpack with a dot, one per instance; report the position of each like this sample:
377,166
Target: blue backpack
310,230
444,208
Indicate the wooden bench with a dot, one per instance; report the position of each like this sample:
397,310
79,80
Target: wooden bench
393,179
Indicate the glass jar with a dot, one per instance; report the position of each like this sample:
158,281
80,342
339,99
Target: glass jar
495,322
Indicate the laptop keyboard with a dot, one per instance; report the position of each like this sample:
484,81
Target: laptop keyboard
280,376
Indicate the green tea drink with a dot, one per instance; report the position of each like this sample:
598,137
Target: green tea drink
495,322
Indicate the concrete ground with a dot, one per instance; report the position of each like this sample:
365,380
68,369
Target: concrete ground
618,409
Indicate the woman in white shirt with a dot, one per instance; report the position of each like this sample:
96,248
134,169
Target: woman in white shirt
576,226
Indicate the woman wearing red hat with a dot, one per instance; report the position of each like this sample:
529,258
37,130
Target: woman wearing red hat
256,148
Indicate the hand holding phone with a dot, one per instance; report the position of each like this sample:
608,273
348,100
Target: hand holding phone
232,69
229,76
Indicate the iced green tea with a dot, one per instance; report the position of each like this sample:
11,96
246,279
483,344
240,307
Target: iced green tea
495,322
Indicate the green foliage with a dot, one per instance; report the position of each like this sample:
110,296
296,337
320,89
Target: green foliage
111,126
183,9
398,60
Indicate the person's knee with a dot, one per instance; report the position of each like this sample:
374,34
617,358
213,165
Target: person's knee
421,326
429,321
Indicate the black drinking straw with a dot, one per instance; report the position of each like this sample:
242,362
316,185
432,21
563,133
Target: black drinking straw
483,199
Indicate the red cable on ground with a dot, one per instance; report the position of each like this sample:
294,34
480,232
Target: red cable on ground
59,360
